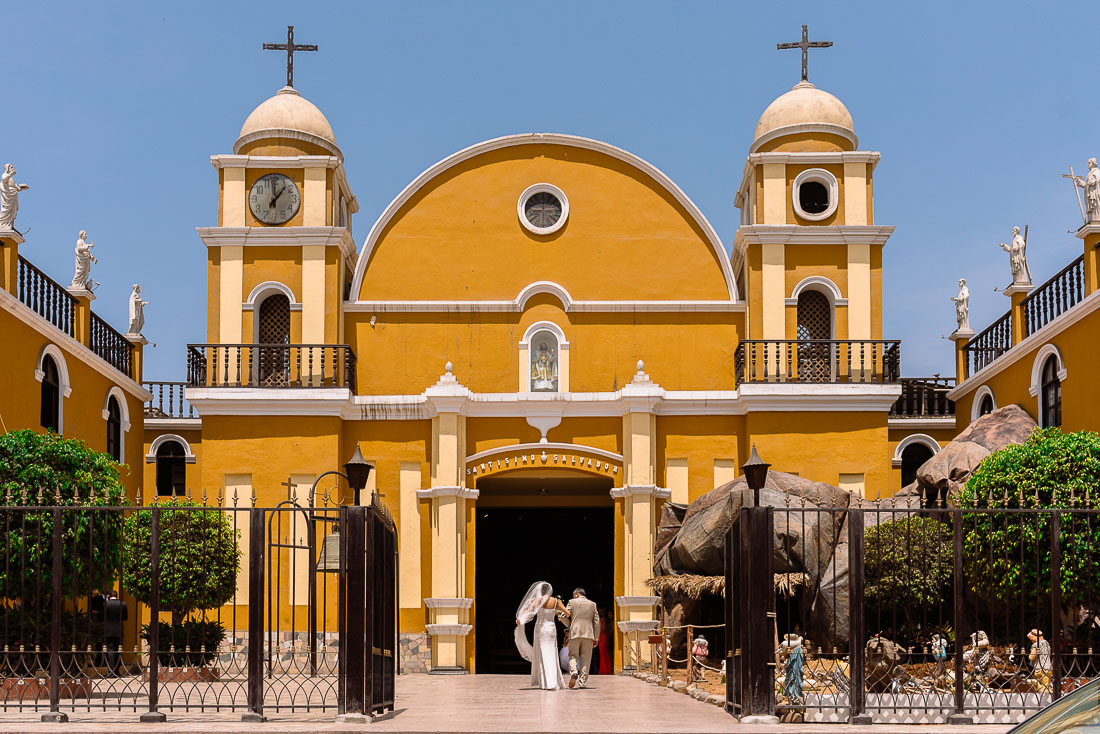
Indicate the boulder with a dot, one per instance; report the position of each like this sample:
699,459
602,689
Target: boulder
672,517
952,466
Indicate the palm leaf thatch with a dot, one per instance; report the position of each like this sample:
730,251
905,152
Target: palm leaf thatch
694,586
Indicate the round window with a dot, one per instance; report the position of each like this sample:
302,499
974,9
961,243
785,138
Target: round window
543,209
814,197
815,193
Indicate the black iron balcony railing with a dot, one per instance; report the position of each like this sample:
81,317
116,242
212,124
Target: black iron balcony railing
1053,298
987,346
270,365
817,360
169,400
924,397
45,296
111,346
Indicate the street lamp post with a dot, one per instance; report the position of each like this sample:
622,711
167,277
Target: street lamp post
356,471
756,475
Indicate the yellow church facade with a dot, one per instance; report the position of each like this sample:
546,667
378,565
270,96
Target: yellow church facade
539,342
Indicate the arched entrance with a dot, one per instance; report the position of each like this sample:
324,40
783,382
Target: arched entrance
536,524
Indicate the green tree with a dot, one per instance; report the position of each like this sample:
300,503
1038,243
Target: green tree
1007,556
39,469
907,564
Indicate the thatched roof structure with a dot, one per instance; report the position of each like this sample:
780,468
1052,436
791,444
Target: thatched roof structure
694,586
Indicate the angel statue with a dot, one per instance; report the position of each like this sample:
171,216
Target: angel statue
9,197
137,311
1017,257
82,278
962,306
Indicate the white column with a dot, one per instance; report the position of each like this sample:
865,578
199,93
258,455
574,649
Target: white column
238,494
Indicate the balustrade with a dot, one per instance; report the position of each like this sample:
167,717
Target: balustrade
991,343
45,296
1054,297
169,400
924,397
817,360
271,365
111,346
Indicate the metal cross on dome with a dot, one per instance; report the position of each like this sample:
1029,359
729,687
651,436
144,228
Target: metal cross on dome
290,47
806,44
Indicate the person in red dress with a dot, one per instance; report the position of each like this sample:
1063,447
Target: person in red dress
603,644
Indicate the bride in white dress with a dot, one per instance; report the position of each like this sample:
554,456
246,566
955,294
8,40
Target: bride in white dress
540,605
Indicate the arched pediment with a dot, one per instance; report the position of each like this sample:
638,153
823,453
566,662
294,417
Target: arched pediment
454,233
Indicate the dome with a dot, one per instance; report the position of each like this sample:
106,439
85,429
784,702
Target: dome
808,107
288,112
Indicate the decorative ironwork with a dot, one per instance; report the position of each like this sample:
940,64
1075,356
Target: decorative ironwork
111,346
542,210
45,297
251,365
817,360
169,400
805,44
1054,297
815,325
987,346
924,397
290,47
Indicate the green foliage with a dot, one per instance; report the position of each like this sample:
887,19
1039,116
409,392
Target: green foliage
907,563
1007,555
198,555
45,469
22,631
190,643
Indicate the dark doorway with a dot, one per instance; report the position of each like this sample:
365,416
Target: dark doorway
913,458
567,546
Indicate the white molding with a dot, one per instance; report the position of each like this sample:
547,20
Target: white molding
274,161
514,307
821,176
312,401
800,234
1083,308
976,404
946,422
539,447
574,141
278,237
448,602
262,290
12,235
1046,351
804,127
818,157
542,286
66,385
638,625
151,455
282,132
542,188
922,438
637,601
448,630
173,424
538,326
465,493
123,408
841,397
821,284
641,490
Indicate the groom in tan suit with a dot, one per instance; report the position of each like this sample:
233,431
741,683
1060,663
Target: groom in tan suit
584,628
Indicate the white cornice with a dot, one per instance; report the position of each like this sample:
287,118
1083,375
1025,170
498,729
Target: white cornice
274,161
460,492
72,346
439,602
944,422
312,401
802,128
278,237
1019,351
1086,229
641,490
839,156
12,235
637,601
540,447
276,133
573,141
173,424
514,306
795,234
846,397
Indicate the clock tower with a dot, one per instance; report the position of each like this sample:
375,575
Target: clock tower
281,257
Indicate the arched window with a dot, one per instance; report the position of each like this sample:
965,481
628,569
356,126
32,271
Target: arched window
544,362
1051,394
51,395
986,406
114,429
171,469
272,332
912,457
815,321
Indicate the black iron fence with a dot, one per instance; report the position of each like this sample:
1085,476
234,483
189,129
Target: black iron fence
817,360
103,609
989,344
45,296
111,346
910,614
924,397
271,365
1056,296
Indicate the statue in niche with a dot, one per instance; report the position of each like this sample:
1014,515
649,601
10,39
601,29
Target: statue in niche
137,311
962,306
9,197
544,369
1017,257
1091,184
82,278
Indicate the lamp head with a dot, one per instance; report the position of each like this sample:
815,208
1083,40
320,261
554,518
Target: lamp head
358,470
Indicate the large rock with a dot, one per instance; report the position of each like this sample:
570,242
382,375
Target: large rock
951,467
672,517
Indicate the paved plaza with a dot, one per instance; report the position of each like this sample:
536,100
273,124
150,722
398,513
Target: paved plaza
484,703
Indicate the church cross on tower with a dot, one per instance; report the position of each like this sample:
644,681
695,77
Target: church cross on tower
290,47
805,45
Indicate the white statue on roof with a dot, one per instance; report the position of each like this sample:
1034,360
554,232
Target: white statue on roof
962,306
9,197
1091,184
137,311
1017,257
82,278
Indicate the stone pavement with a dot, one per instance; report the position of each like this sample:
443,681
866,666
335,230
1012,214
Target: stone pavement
484,704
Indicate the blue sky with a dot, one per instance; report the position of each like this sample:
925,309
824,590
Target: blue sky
111,111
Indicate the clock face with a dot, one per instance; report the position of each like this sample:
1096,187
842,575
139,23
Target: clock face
274,199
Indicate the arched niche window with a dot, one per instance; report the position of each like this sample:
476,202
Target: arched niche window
912,457
985,407
815,322
1050,395
51,395
544,352
171,469
114,429
272,333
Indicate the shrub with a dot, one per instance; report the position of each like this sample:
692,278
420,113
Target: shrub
1007,555
199,557
907,564
45,469
190,643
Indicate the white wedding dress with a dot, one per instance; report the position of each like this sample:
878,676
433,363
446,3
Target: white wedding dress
545,670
